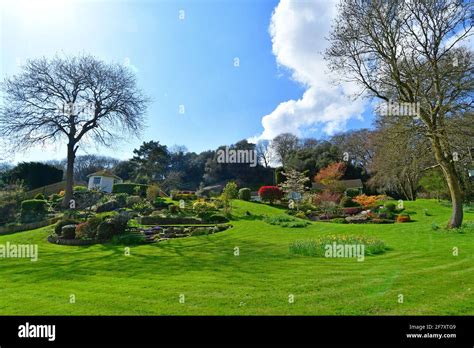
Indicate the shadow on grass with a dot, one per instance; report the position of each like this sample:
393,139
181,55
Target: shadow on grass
251,217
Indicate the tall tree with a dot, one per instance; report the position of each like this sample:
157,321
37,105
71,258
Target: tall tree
433,183
76,99
152,160
265,153
125,169
357,147
410,52
283,145
400,159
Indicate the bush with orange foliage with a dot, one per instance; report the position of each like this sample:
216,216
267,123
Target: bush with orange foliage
403,218
331,173
369,201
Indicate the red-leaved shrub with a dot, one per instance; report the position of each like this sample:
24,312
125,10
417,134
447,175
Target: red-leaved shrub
270,193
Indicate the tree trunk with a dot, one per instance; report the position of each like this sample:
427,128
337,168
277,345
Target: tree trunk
456,196
71,156
454,186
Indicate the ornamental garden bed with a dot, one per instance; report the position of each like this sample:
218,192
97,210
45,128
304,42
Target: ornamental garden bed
77,242
165,232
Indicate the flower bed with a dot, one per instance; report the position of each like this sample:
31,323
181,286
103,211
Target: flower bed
318,247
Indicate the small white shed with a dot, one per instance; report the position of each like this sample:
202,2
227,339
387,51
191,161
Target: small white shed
103,181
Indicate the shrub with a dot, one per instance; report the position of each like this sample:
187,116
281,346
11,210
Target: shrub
347,202
64,222
300,215
8,211
270,193
200,231
217,202
131,200
144,208
130,189
113,226
33,210
352,193
87,199
152,192
107,206
40,196
173,209
217,219
88,229
160,203
369,201
245,194
285,221
329,208
55,197
80,189
327,196
183,195
121,199
403,218
68,232
203,207
105,231
391,207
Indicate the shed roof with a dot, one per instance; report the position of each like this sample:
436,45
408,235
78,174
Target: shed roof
105,173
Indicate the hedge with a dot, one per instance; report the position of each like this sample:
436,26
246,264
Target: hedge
33,210
130,189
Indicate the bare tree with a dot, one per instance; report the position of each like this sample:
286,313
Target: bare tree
358,145
264,153
400,159
283,145
76,99
407,51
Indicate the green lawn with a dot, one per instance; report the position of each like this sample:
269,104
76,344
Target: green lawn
420,265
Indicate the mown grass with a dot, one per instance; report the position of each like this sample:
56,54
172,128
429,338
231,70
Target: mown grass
420,265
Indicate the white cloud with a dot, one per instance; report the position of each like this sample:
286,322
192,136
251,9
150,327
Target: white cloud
299,30
129,64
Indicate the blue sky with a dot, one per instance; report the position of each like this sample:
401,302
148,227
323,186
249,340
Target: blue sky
190,62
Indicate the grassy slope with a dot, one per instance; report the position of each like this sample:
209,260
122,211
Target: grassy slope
215,282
